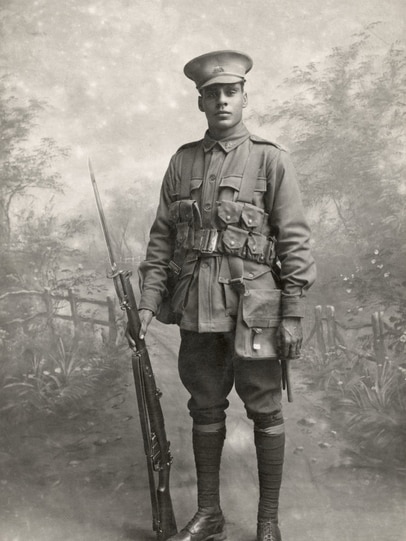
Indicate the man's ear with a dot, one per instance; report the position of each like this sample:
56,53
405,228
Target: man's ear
245,100
200,104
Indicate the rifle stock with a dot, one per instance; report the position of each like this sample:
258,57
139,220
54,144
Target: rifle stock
156,445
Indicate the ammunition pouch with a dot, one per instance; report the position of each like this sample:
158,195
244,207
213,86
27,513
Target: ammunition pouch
236,242
242,233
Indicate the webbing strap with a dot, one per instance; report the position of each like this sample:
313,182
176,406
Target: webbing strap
192,166
250,175
236,267
245,195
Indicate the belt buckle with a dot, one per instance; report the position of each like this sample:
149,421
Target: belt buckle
208,241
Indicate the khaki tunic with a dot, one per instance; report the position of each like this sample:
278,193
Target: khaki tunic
203,297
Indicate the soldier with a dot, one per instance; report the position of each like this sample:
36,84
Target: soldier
229,250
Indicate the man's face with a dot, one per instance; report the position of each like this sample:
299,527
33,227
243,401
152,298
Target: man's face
223,104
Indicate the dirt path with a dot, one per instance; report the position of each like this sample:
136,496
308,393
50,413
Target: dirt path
84,479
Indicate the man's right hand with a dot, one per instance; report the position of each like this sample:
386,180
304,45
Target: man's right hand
145,318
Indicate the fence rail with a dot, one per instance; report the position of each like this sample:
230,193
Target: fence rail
74,301
326,331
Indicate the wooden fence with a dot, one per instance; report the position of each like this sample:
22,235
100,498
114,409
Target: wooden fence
328,334
50,312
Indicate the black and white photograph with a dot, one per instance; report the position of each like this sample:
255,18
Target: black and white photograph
202,270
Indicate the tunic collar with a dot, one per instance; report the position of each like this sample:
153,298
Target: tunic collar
228,143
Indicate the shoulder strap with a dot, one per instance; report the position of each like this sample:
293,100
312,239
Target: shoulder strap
192,165
250,175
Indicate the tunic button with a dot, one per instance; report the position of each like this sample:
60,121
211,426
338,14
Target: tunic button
212,178
207,207
251,275
249,221
204,265
228,217
232,242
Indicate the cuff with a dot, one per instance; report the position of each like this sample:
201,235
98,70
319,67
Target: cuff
293,306
149,301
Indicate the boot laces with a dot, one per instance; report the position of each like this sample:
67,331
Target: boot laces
268,532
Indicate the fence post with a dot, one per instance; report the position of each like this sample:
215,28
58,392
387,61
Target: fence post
49,308
48,303
331,329
74,310
112,321
379,344
319,330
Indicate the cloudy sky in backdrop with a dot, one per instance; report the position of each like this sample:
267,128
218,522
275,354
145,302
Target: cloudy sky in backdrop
111,71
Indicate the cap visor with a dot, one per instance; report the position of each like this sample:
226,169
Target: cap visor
222,79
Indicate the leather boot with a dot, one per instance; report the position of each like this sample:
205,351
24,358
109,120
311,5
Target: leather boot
268,531
208,524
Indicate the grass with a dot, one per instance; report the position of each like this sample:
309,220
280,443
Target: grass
59,376
367,402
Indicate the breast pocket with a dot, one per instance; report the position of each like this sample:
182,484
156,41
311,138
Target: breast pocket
229,188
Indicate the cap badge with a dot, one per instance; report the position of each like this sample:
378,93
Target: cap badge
218,69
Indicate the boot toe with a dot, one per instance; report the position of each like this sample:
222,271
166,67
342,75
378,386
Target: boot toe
206,525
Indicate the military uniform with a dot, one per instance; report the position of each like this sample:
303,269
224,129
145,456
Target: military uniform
215,239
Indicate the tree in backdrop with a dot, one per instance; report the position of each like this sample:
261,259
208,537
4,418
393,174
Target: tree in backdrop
345,126
130,214
23,167
32,237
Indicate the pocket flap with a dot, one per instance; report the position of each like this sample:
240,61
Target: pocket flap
262,307
257,244
252,216
231,182
254,270
229,211
186,210
195,183
234,238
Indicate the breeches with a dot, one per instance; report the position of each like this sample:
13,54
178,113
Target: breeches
208,368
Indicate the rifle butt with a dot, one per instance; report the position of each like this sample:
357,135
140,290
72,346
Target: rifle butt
167,526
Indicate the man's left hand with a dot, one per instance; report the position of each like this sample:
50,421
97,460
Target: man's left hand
290,337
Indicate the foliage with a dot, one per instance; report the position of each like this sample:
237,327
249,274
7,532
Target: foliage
373,409
345,127
23,166
59,376
45,250
367,399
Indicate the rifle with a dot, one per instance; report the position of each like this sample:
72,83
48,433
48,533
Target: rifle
156,446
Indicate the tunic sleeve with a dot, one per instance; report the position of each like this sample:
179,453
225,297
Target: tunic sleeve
288,222
153,270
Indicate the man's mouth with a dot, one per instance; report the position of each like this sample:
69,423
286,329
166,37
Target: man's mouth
223,113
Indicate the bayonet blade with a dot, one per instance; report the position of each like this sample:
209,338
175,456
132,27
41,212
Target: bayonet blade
102,218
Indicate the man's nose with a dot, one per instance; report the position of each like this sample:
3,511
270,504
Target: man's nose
221,98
